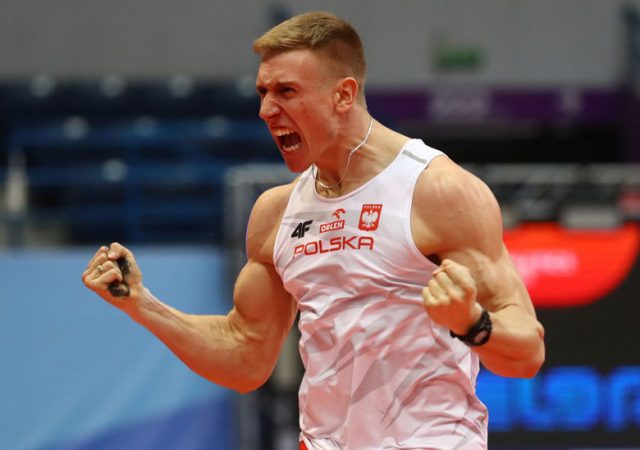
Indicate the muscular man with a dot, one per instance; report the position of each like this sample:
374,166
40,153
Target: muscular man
391,252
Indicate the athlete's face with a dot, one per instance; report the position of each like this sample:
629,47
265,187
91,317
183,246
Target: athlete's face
297,104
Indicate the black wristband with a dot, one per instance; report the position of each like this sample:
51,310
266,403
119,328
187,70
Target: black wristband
479,334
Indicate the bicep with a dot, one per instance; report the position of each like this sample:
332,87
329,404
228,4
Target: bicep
263,310
469,230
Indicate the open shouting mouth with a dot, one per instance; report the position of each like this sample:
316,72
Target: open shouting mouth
289,141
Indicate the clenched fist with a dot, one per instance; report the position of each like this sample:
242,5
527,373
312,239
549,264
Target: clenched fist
114,275
450,297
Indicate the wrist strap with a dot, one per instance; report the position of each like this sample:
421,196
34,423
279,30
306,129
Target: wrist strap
479,333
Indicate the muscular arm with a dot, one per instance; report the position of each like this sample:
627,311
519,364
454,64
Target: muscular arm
238,350
457,218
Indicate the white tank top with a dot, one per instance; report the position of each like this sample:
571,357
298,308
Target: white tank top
379,374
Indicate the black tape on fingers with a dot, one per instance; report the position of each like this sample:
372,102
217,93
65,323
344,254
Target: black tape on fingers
121,288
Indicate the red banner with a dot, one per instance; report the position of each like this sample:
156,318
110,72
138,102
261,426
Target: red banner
565,268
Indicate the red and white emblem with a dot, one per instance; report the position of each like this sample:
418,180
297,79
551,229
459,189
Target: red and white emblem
338,212
336,224
369,217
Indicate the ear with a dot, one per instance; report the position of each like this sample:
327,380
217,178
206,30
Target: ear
345,94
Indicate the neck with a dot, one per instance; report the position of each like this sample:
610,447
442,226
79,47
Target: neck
335,187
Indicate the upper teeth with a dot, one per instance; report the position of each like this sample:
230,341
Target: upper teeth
282,132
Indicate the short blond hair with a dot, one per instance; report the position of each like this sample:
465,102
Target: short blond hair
322,32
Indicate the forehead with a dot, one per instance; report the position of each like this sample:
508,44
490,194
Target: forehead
290,66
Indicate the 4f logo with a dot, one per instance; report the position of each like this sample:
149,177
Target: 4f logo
369,217
301,229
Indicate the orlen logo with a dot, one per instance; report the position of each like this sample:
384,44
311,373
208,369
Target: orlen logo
336,224
332,226
338,213
567,268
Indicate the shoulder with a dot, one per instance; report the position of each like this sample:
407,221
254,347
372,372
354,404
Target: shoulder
453,207
264,221
444,181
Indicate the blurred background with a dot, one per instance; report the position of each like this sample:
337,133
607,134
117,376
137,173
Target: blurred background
137,122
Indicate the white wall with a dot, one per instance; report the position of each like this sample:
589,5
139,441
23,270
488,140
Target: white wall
525,41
